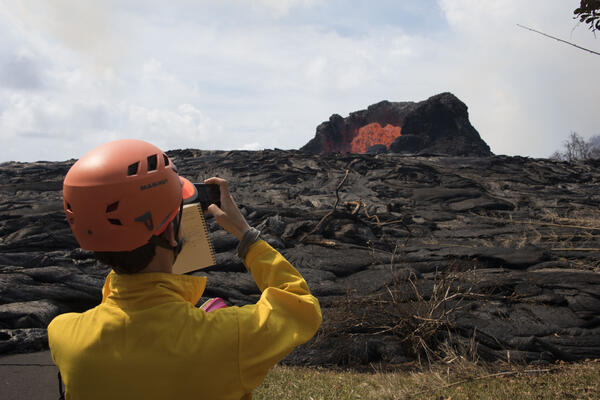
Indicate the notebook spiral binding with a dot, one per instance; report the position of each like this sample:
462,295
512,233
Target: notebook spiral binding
205,227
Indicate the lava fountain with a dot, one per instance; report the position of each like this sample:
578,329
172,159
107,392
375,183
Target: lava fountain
372,134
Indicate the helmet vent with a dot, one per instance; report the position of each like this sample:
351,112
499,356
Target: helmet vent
112,207
152,162
115,221
166,159
133,169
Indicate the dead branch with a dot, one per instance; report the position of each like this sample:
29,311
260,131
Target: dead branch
423,322
560,40
337,200
358,204
325,243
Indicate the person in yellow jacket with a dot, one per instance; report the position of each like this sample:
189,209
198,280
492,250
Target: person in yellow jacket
147,340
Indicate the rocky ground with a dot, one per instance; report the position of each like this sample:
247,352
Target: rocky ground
410,257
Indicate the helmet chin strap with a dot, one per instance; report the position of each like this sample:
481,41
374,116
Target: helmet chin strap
166,244
177,249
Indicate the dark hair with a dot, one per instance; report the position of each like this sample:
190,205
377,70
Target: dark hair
128,262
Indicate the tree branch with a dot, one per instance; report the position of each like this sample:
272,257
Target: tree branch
560,40
337,200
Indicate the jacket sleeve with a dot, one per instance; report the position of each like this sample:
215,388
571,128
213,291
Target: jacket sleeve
286,315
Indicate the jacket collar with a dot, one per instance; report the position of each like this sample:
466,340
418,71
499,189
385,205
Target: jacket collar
137,291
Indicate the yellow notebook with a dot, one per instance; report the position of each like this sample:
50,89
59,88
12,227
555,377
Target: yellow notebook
197,251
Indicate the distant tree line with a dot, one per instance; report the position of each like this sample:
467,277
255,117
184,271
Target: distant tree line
577,148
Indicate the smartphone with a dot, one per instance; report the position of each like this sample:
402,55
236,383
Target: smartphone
208,194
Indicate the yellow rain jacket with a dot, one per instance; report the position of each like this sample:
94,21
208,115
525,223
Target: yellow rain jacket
147,340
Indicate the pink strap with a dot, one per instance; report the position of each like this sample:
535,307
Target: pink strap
213,304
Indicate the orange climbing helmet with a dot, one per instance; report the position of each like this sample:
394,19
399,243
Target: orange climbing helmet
122,193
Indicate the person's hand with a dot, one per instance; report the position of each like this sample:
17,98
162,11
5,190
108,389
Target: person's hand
229,215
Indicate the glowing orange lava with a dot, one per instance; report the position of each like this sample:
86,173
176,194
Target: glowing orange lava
372,134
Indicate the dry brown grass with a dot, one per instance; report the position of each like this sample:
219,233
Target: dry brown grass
456,382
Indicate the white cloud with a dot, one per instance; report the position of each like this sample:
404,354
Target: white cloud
252,146
184,127
478,16
525,92
316,68
41,116
85,26
271,71
282,7
22,71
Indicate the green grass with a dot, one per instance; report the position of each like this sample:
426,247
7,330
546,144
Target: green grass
557,381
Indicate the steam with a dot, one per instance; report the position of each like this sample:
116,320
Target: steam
84,26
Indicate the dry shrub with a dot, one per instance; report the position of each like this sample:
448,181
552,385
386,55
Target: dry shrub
409,320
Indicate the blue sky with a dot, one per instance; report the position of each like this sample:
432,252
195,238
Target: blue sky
255,74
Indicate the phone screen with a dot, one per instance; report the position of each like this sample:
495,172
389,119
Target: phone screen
208,194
